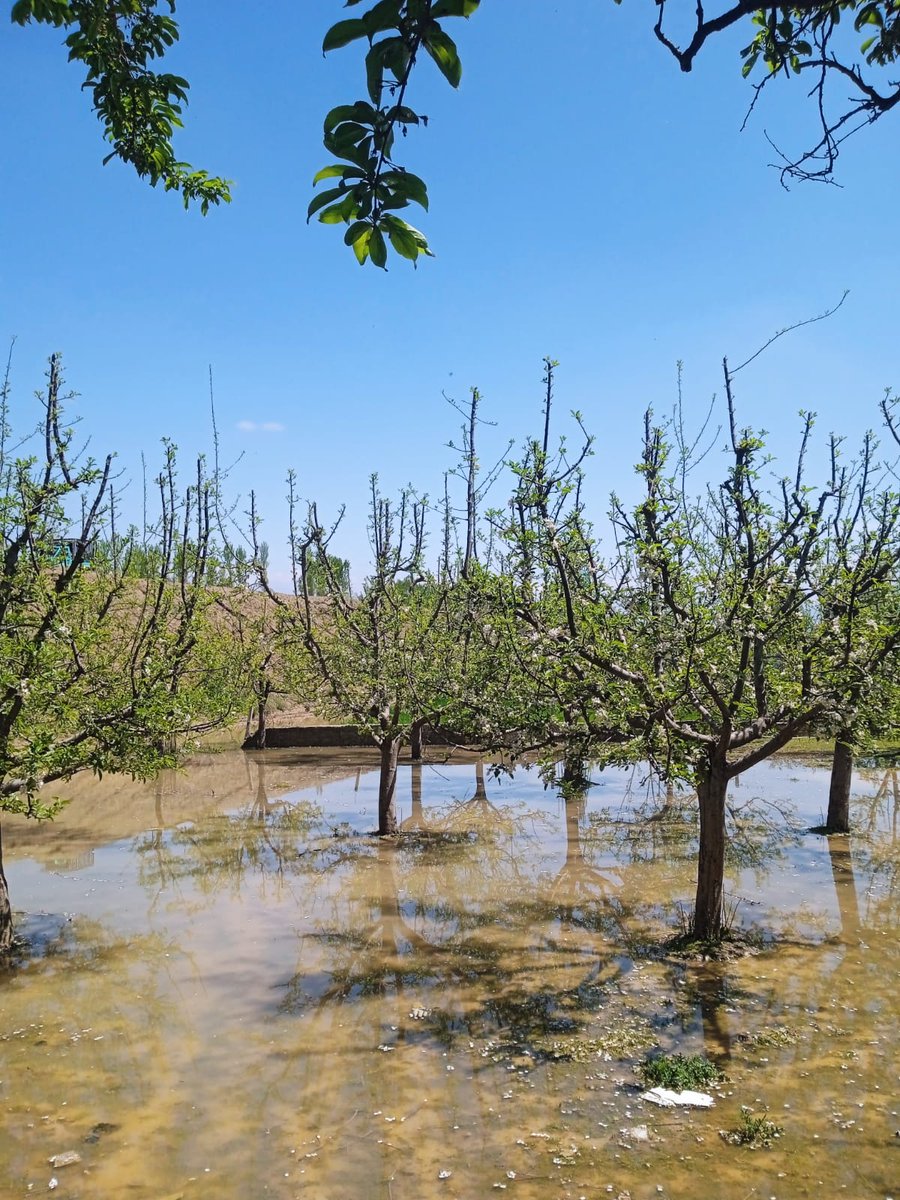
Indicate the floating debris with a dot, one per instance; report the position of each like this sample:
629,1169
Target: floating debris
66,1159
666,1098
637,1133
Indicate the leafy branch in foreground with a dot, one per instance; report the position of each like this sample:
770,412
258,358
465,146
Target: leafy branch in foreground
847,48
139,108
807,39
371,186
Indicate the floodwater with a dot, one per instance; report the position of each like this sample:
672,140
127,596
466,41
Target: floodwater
229,990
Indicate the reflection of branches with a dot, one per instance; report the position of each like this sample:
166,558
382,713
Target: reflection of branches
662,828
881,810
216,854
381,949
385,952
416,819
578,882
845,888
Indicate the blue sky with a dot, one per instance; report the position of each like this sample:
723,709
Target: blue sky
588,201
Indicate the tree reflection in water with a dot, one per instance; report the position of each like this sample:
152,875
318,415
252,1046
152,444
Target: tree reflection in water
321,992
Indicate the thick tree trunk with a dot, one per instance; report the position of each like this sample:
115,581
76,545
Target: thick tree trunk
838,819
6,924
709,905
417,740
387,785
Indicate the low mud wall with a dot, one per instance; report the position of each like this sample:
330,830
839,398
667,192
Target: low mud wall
289,737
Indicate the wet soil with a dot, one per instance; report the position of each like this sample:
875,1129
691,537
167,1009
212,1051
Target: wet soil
226,988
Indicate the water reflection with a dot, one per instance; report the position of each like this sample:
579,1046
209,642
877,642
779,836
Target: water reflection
286,1007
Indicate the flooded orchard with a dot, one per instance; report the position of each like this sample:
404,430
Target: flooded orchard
228,989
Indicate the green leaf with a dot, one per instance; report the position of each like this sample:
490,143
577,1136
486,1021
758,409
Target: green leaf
403,115
361,245
343,112
403,242
377,248
355,232
336,170
407,185
48,12
375,72
443,50
385,15
326,197
343,33
454,8
338,213
342,144
397,224
396,56
345,136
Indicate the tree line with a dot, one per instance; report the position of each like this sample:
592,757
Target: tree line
734,605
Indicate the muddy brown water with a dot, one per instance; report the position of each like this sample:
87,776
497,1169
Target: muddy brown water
229,990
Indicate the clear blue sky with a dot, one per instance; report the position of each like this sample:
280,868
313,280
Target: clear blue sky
588,201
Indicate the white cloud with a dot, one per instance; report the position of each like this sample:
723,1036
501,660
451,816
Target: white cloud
260,426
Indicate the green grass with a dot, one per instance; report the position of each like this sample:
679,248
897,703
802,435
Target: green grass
823,746
756,1132
679,1071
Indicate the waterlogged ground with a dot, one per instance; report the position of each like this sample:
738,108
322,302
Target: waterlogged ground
230,991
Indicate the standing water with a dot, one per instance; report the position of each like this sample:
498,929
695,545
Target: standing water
228,989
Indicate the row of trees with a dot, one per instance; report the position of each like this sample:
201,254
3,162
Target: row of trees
106,664
704,627
714,623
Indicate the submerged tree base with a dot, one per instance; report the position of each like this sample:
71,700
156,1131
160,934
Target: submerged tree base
729,946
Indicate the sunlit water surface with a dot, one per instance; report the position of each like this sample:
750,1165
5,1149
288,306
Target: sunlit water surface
229,990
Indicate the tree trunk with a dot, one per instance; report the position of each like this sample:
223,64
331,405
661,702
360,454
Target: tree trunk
387,785
6,924
261,723
838,819
709,905
480,790
417,739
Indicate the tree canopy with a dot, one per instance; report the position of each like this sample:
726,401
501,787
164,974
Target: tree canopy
843,48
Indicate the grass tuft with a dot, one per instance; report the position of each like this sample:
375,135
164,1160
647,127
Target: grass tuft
679,1071
755,1132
